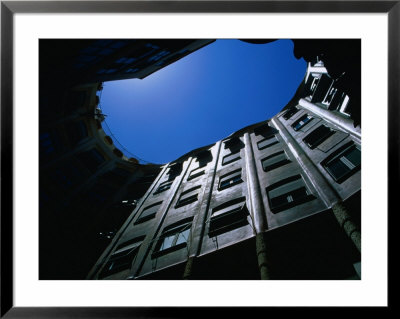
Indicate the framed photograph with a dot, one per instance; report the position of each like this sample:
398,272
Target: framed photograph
92,227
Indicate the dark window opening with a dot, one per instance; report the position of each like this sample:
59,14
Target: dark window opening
301,122
187,197
122,259
322,87
344,163
228,216
267,142
134,241
337,100
174,237
274,161
330,95
317,136
230,179
196,173
163,187
288,193
148,213
231,158
290,112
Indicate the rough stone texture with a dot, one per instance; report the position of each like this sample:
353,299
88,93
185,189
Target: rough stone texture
347,224
188,269
263,262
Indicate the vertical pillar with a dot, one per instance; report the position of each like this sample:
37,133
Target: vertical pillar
188,272
257,209
262,257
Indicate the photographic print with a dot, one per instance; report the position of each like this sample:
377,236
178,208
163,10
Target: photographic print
200,159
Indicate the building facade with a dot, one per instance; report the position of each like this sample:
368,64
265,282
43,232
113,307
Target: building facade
280,199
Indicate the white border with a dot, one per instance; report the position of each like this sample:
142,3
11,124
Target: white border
370,291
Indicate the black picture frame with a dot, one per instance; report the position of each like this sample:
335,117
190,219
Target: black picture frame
9,8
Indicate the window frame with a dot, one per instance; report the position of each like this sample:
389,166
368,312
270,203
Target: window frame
336,156
234,174
193,174
234,210
294,201
290,112
183,200
275,165
271,137
320,140
141,219
161,188
231,160
174,230
118,254
301,119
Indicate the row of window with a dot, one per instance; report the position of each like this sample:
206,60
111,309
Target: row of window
342,163
233,214
224,218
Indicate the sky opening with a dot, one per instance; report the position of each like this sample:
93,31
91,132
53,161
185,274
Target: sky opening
200,99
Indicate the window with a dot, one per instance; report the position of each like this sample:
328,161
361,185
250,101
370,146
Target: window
274,161
158,56
301,122
111,71
173,237
228,216
317,136
148,213
343,163
125,60
131,70
163,187
231,158
288,193
267,142
188,197
122,258
230,179
330,95
321,89
337,100
196,173
290,112
314,84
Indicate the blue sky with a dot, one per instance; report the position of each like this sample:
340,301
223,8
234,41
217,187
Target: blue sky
202,98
